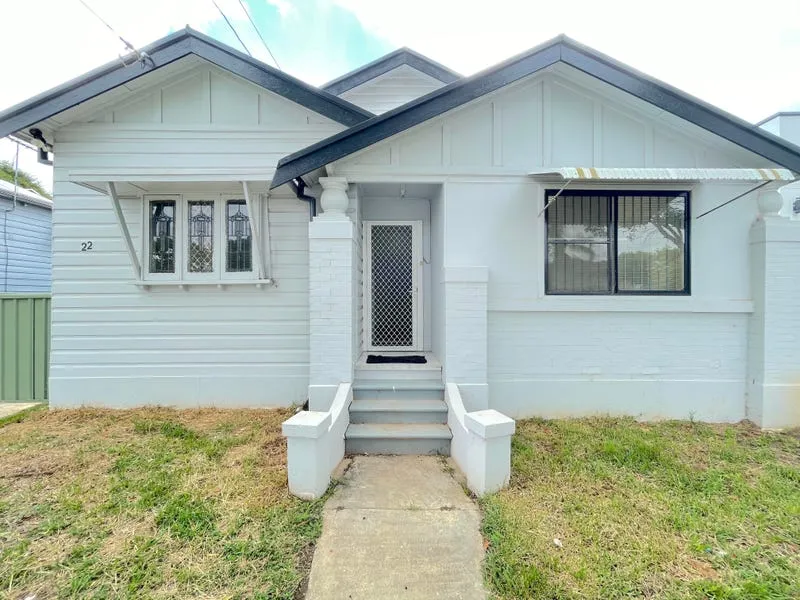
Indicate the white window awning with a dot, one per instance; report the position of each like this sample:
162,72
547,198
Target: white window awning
660,174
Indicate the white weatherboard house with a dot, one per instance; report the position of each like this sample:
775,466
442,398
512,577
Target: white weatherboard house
559,235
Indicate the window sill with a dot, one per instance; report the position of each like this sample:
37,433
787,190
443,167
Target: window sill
183,284
651,304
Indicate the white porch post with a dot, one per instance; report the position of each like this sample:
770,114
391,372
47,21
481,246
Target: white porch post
331,272
773,382
465,316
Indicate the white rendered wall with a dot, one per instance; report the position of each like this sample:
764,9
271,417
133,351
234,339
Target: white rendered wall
115,344
651,356
553,356
390,90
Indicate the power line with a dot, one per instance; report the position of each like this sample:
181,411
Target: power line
141,55
231,26
263,41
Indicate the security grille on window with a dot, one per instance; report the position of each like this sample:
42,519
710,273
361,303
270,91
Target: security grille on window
621,242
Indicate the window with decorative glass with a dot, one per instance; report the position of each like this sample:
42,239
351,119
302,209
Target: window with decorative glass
198,236
617,242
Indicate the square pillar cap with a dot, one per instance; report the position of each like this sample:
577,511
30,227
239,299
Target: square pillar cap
489,423
307,424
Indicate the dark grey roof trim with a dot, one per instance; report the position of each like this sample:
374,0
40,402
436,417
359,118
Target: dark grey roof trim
165,51
384,64
560,49
783,113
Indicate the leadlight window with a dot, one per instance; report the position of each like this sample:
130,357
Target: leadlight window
622,242
239,241
162,236
201,237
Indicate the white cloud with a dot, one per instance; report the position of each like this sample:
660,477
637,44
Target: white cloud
284,6
739,57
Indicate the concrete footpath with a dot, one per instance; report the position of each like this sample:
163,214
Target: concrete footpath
8,409
398,527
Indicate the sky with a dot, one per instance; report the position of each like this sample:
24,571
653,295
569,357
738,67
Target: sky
741,57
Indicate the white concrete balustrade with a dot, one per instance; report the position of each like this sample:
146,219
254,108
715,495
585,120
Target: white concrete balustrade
481,444
315,445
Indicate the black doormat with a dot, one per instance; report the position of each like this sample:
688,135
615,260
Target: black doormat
378,359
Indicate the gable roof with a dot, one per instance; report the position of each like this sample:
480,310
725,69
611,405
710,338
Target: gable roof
167,50
384,64
560,49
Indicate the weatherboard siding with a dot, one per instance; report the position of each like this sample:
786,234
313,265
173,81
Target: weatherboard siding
25,243
120,345
392,89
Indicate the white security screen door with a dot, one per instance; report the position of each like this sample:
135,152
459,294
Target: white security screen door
392,284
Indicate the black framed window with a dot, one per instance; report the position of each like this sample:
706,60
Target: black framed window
617,242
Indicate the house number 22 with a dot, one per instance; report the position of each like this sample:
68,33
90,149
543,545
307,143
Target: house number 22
86,246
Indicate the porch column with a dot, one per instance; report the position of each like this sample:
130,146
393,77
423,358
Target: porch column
331,276
773,398
465,317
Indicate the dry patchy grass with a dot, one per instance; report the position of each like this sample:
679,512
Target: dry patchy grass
150,503
672,510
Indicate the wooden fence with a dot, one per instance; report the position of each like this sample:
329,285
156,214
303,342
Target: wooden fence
24,346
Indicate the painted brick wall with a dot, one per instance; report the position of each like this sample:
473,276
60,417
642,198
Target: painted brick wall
332,254
465,362
656,365
774,332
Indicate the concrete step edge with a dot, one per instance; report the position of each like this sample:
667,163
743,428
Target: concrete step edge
378,405
398,431
399,386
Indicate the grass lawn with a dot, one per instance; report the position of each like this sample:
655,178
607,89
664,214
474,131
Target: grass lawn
609,508
150,503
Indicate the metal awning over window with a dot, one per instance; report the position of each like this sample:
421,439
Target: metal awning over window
660,174
567,175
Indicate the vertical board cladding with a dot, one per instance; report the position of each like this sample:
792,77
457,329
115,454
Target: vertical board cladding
119,345
547,120
25,247
24,346
555,356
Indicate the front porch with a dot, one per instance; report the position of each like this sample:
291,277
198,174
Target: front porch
378,286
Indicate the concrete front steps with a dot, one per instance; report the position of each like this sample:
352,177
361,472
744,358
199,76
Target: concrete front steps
391,416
